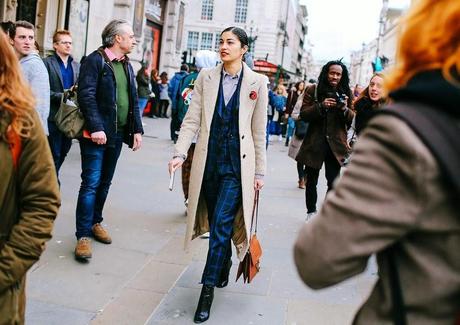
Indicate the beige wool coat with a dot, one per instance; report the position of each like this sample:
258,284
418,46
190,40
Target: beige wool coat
252,130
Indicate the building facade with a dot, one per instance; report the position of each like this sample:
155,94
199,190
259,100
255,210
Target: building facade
277,29
157,25
382,47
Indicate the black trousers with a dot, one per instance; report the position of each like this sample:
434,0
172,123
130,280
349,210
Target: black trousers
332,171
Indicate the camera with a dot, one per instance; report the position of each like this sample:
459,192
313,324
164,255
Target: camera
341,99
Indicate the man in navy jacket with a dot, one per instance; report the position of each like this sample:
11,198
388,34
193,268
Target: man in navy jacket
107,97
63,74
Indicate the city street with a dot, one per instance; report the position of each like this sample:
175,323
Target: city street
145,276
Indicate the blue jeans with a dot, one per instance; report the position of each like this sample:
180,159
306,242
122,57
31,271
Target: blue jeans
98,164
59,145
142,103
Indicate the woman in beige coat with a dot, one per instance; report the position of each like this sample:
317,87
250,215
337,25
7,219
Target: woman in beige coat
229,110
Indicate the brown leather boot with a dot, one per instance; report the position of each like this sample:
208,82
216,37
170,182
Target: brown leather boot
100,234
302,183
83,249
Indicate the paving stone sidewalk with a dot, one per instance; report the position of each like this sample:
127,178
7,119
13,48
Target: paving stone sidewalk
145,276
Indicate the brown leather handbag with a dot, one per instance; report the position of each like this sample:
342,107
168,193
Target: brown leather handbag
250,265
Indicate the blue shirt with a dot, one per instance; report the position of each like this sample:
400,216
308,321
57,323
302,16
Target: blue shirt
229,84
66,72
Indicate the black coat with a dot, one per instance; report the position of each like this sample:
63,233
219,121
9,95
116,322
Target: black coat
97,97
56,83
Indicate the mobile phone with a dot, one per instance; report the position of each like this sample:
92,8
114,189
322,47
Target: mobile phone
171,181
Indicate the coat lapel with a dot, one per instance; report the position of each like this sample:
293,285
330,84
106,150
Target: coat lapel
248,84
210,91
57,70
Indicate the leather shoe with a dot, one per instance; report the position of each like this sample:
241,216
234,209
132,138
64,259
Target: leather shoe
83,249
204,304
223,280
100,234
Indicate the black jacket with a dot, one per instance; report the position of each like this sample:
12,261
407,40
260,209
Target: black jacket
56,83
97,97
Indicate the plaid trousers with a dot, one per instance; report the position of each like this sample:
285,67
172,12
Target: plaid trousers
223,198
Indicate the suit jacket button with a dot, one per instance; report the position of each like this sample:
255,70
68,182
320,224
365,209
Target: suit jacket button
244,156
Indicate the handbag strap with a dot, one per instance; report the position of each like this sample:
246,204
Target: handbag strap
255,212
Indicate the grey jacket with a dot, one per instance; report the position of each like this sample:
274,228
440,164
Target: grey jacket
56,83
391,192
35,73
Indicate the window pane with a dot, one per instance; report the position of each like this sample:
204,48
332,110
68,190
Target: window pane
206,41
241,11
207,9
216,41
192,41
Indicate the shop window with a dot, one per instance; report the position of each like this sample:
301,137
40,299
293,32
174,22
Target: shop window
217,41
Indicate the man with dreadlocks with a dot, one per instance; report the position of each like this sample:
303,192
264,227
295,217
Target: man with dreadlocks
327,107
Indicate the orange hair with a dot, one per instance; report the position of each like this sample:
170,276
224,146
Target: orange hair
16,100
430,39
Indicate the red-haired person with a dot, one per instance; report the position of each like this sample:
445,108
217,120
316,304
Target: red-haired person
395,200
29,192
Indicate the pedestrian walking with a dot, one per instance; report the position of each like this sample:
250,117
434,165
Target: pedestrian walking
229,108
164,97
29,192
367,103
398,199
143,89
328,110
294,94
22,37
107,97
175,97
63,73
299,133
155,99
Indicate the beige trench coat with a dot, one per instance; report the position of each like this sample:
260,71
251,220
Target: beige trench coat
252,128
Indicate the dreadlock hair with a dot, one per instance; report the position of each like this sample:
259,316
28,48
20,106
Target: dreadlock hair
344,84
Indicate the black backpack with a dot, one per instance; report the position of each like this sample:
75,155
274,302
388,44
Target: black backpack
440,132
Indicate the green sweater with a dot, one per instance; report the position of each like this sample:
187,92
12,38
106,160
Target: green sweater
122,95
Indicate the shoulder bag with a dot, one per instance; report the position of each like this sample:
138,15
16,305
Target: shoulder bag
250,265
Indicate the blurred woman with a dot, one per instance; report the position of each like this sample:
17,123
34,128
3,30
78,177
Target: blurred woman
164,97
291,101
143,89
29,193
396,200
229,108
369,101
155,99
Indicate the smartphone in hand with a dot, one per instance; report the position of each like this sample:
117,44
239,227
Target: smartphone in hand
171,181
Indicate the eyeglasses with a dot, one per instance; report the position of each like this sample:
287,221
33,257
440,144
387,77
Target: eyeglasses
64,43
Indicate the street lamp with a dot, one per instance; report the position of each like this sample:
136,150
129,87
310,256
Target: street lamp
252,38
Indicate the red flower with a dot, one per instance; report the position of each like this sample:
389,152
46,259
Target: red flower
253,95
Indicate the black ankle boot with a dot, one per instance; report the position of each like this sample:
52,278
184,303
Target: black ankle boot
223,280
204,304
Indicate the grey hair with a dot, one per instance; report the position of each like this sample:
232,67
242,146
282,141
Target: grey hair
115,27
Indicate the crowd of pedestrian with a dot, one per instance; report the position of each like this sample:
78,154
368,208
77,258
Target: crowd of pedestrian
397,138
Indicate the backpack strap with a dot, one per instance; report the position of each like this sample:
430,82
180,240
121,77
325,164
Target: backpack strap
439,132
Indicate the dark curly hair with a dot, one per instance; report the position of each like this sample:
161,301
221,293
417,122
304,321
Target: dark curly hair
344,84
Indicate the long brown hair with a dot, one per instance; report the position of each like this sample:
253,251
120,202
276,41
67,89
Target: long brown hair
430,39
365,92
16,100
